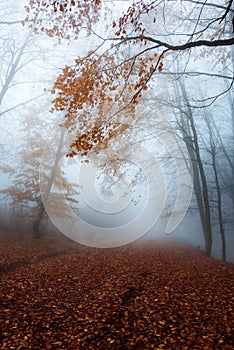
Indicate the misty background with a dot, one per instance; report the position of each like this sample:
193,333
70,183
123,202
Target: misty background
29,64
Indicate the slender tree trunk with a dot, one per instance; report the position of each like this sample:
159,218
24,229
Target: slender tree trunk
196,182
38,220
201,188
219,197
207,218
213,153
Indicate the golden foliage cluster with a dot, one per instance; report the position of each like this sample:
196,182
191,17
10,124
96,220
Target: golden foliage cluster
97,94
64,17
132,17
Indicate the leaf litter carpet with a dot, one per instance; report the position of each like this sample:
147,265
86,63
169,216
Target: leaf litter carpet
141,296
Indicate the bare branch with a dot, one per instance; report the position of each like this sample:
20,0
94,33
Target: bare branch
182,47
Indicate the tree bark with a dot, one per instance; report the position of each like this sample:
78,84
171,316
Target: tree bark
200,183
41,212
219,197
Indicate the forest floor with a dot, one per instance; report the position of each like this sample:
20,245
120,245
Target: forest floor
141,296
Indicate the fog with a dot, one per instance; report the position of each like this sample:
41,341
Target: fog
116,174
150,194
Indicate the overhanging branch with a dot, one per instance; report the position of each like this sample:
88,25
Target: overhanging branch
182,47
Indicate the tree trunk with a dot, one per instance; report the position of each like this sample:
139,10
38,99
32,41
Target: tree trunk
200,183
219,197
38,220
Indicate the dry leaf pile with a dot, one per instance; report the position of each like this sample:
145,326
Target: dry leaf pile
141,296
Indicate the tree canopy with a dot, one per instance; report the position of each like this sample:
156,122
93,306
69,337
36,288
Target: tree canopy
100,91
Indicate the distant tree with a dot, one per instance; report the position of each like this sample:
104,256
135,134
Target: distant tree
189,131
23,125
16,54
221,161
24,194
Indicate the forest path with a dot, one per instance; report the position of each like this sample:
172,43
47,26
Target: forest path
140,296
